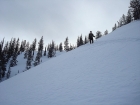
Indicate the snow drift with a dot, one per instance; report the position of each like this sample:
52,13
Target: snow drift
104,73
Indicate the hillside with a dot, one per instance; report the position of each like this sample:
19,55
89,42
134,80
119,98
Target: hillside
104,73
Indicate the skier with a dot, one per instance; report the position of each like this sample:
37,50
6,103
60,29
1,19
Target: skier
90,37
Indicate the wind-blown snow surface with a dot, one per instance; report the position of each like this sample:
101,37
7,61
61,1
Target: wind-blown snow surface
104,73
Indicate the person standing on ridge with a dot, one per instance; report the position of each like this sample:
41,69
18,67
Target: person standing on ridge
90,37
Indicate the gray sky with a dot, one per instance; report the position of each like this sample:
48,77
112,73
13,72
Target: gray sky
57,19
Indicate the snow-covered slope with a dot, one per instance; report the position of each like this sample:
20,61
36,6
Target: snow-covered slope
104,73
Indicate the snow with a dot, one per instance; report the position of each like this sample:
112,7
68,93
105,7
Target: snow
21,64
104,73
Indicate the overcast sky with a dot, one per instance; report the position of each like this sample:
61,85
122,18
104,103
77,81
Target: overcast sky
57,19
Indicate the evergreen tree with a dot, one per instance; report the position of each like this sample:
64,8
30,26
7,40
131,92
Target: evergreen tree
135,8
66,45
124,20
86,40
34,45
2,63
114,28
71,47
21,47
40,47
81,40
26,50
24,46
98,34
120,22
5,51
15,46
52,50
29,58
129,17
78,41
14,61
106,32
60,47
39,53
37,59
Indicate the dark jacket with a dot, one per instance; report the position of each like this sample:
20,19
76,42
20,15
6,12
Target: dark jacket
91,36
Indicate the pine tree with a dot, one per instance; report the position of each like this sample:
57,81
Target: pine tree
66,45
24,46
14,61
39,53
34,45
15,46
120,22
114,28
71,47
21,47
86,40
29,58
98,34
78,41
37,59
81,40
60,47
129,17
124,19
135,9
106,32
2,61
26,50
40,48
52,50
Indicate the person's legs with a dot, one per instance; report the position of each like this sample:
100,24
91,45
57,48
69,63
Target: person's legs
90,41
